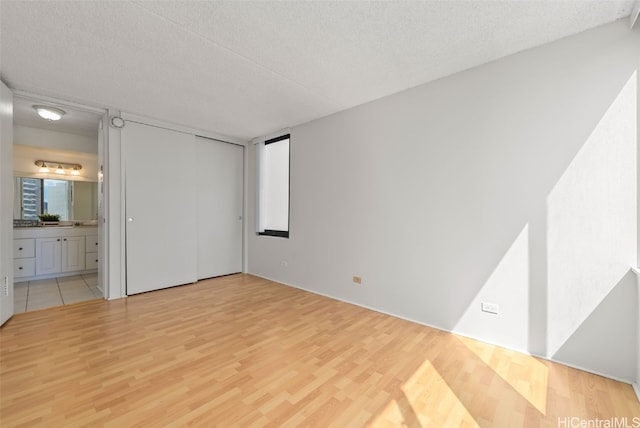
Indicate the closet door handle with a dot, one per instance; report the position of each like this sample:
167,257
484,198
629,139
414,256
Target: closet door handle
58,239
20,249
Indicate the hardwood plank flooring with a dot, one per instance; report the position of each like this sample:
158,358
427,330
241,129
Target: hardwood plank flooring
244,351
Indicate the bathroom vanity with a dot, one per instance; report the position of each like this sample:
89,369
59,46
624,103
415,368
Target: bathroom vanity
54,251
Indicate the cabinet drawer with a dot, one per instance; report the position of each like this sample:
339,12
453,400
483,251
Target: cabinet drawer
24,248
92,243
91,261
24,267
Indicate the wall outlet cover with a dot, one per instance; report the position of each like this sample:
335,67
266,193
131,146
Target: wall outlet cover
491,308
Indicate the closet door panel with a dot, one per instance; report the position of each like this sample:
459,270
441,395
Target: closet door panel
160,197
219,207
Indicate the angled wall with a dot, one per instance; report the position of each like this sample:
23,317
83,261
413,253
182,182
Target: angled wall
442,196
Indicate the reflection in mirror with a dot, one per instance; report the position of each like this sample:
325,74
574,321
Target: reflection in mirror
72,200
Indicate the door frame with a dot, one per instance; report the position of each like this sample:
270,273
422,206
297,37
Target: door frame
6,211
117,178
103,148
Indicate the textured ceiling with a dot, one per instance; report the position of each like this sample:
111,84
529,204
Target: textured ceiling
249,68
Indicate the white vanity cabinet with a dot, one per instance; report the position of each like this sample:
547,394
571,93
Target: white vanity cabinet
24,258
48,256
91,255
47,252
60,254
73,254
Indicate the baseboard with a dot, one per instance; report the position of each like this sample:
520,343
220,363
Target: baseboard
574,366
522,351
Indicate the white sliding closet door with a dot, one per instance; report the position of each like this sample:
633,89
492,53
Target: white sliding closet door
220,195
160,200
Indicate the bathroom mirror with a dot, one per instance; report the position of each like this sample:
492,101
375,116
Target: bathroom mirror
72,200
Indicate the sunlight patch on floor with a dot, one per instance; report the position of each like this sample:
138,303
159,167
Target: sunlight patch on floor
426,400
528,376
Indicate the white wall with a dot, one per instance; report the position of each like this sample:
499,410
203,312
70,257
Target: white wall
442,196
28,136
24,158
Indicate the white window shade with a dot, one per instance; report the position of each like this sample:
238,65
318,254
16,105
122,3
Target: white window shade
273,216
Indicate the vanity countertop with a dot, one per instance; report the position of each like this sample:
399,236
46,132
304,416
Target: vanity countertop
53,231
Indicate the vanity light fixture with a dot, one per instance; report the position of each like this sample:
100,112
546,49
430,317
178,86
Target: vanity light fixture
60,167
49,113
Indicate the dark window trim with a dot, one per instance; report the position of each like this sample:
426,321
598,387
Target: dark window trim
42,196
278,233
280,138
281,233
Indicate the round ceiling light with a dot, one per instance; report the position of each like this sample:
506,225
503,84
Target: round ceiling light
49,113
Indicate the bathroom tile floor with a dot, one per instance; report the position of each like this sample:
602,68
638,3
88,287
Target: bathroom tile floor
46,293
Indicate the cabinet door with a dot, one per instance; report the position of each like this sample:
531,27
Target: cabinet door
73,257
91,244
48,256
160,200
91,261
24,248
23,268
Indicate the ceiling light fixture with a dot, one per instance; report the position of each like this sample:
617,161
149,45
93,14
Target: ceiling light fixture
49,113
60,167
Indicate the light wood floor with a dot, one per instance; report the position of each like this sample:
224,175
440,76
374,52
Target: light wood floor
243,351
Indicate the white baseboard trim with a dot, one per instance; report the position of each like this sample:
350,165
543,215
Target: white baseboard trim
574,366
522,351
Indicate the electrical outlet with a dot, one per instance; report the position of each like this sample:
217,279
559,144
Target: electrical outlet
284,264
491,308
357,280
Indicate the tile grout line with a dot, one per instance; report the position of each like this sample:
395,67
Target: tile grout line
26,303
59,291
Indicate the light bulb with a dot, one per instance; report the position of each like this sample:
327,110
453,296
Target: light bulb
49,113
